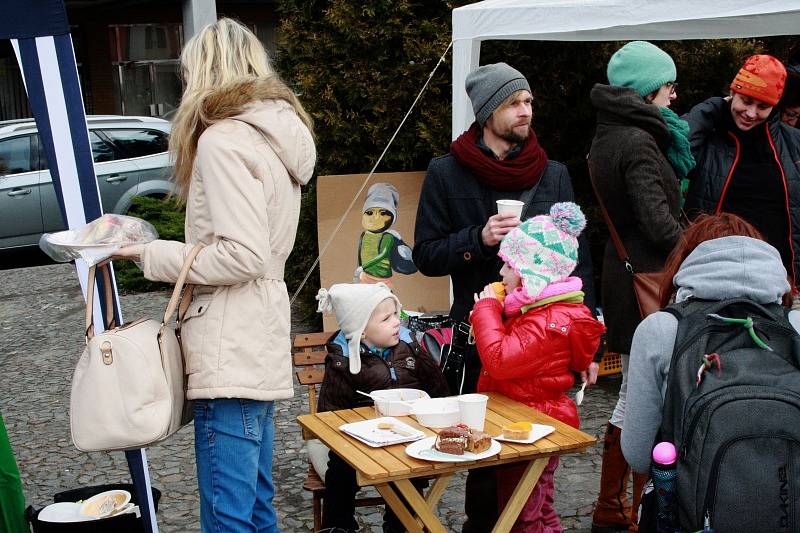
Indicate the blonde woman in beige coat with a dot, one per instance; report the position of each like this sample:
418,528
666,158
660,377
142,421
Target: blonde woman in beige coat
243,146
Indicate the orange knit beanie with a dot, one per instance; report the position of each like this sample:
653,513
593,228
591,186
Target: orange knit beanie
762,77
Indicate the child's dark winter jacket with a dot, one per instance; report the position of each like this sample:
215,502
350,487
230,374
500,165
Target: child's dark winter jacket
402,366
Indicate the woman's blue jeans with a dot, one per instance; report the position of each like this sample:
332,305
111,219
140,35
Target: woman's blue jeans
233,447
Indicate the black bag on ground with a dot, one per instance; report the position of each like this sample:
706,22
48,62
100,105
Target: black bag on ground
125,523
732,409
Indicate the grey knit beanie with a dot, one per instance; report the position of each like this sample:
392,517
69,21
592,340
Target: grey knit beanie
488,85
383,195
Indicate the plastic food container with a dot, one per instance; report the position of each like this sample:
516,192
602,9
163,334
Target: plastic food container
436,412
396,402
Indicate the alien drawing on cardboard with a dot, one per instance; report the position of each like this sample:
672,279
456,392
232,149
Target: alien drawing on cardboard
381,251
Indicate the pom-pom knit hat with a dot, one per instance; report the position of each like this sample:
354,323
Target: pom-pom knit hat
761,77
353,304
641,66
544,249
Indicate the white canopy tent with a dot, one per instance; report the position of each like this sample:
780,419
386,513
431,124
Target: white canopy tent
605,20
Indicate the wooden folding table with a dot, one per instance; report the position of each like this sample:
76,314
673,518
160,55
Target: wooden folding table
390,469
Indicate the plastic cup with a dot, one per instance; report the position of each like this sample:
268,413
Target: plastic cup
472,410
510,206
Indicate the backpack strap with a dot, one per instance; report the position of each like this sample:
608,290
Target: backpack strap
672,310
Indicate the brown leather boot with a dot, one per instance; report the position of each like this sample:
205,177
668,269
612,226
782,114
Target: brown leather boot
639,481
613,510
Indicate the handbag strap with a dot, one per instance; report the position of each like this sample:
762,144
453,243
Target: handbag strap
181,296
621,251
111,319
179,292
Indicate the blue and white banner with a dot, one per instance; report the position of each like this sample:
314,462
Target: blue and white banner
39,33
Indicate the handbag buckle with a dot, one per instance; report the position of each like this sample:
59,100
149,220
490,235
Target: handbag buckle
629,267
105,352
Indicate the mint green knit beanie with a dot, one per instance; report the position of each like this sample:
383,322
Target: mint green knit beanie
642,66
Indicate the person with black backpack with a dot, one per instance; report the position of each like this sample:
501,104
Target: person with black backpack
716,374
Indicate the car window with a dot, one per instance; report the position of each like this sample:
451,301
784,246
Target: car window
15,155
103,150
137,143
40,160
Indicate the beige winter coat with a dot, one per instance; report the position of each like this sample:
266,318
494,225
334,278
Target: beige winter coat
243,204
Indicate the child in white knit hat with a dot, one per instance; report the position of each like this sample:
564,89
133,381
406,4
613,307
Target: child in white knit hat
371,351
531,343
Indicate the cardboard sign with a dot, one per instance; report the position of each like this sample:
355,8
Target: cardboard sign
380,251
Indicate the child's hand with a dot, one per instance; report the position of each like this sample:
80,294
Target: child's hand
487,292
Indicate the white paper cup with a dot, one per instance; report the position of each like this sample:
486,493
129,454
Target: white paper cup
510,206
472,409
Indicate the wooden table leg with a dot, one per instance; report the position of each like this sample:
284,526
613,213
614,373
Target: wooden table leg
419,506
437,490
393,500
520,495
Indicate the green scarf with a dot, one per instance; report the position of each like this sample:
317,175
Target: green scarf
679,152
575,297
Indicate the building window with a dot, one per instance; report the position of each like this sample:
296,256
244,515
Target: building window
145,57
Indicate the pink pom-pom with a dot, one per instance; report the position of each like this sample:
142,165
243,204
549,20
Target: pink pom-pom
664,453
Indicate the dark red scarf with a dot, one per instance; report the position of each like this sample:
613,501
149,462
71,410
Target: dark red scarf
516,174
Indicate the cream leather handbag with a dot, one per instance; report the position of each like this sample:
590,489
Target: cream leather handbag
128,390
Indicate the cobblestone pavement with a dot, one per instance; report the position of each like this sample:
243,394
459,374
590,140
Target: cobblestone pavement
41,314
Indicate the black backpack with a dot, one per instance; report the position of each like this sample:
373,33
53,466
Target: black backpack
736,427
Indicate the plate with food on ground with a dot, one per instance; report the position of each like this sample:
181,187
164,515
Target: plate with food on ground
454,444
524,432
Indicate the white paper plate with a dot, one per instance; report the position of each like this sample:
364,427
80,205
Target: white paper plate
62,512
537,432
423,449
367,432
105,504
68,238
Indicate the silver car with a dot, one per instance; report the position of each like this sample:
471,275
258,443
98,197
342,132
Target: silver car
130,159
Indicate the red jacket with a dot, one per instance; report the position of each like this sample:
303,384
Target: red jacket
531,357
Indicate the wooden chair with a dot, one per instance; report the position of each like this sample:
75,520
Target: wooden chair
309,360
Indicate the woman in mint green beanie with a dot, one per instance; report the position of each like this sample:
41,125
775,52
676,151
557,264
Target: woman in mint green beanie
639,153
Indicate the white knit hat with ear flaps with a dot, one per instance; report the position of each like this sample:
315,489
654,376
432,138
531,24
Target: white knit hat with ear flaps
353,304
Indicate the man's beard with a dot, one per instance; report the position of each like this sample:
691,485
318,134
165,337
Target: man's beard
514,137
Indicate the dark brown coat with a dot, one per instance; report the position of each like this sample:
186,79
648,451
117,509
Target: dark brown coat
413,369
640,190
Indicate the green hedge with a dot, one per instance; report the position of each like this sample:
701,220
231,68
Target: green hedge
167,215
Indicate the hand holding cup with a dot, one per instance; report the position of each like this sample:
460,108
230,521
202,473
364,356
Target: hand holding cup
497,226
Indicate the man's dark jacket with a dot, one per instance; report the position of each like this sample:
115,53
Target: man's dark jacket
453,209
715,152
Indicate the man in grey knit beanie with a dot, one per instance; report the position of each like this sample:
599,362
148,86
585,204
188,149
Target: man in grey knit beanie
458,228
489,85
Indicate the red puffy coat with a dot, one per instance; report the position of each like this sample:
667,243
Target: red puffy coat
530,358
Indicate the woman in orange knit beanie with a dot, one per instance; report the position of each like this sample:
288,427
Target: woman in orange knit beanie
746,158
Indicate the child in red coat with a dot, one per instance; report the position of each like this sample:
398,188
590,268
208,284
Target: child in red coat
532,342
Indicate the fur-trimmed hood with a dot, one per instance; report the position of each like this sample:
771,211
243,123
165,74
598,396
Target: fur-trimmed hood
266,105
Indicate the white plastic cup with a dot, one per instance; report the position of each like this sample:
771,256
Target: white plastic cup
510,206
472,410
